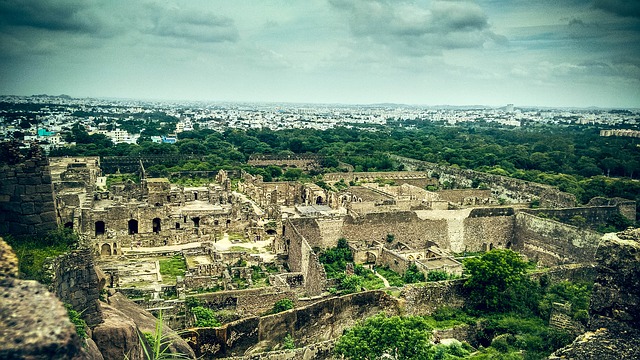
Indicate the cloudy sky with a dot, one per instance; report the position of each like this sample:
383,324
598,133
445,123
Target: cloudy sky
492,52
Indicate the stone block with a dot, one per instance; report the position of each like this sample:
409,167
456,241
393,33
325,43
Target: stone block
28,209
31,219
33,180
44,189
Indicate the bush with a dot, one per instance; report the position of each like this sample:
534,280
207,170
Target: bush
282,305
77,321
438,275
204,317
413,275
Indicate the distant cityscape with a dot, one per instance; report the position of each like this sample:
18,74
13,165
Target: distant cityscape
45,118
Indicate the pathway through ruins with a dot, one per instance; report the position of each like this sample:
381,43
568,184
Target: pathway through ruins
386,283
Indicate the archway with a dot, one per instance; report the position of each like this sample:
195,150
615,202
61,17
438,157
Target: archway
68,225
105,249
133,226
100,228
491,246
371,257
509,245
196,222
271,232
156,225
319,200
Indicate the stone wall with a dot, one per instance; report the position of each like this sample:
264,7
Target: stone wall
486,229
26,196
593,215
248,302
303,259
510,189
425,298
76,281
551,242
305,162
318,351
320,321
406,226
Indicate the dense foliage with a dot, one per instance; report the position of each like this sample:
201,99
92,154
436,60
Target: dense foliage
335,259
205,317
497,282
282,305
400,337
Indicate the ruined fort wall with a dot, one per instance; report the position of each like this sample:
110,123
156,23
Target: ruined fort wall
76,281
425,298
26,198
405,226
320,321
303,259
598,215
249,302
488,228
552,242
509,189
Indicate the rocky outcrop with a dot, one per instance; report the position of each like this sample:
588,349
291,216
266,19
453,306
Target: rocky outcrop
33,323
117,336
614,325
147,323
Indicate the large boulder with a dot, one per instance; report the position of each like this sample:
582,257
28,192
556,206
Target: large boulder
146,322
33,323
117,336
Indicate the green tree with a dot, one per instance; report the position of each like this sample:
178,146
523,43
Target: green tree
498,282
399,337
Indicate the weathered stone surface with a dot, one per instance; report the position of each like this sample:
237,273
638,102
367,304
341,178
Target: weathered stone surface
615,303
117,336
146,322
33,323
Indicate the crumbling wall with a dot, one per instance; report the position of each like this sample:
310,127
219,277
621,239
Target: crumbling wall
598,215
502,187
250,302
425,298
405,226
26,196
303,259
320,321
488,228
552,242
76,281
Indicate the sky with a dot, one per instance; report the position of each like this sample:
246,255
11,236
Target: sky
487,52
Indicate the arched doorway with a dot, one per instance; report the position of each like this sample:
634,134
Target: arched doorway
105,249
196,222
133,226
271,232
100,228
68,225
371,257
319,200
156,225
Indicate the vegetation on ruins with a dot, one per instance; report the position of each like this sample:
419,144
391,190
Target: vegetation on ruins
77,321
440,275
397,336
172,267
335,259
577,295
32,251
158,343
205,317
498,282
282,305
413,275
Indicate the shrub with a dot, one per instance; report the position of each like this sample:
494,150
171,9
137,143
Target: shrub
77,321
282,305
204,317
413,275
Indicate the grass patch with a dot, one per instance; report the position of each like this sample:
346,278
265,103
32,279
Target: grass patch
172,267
237,237
32,251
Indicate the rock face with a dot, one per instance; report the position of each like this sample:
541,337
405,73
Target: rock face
117,336
33,322
614,325
147,323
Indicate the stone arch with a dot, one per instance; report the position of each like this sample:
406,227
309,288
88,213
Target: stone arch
105,249
271,232
195,195
196,221
133,226
509,245
100,227
371,257
319,200
68,225
491,246
157,225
